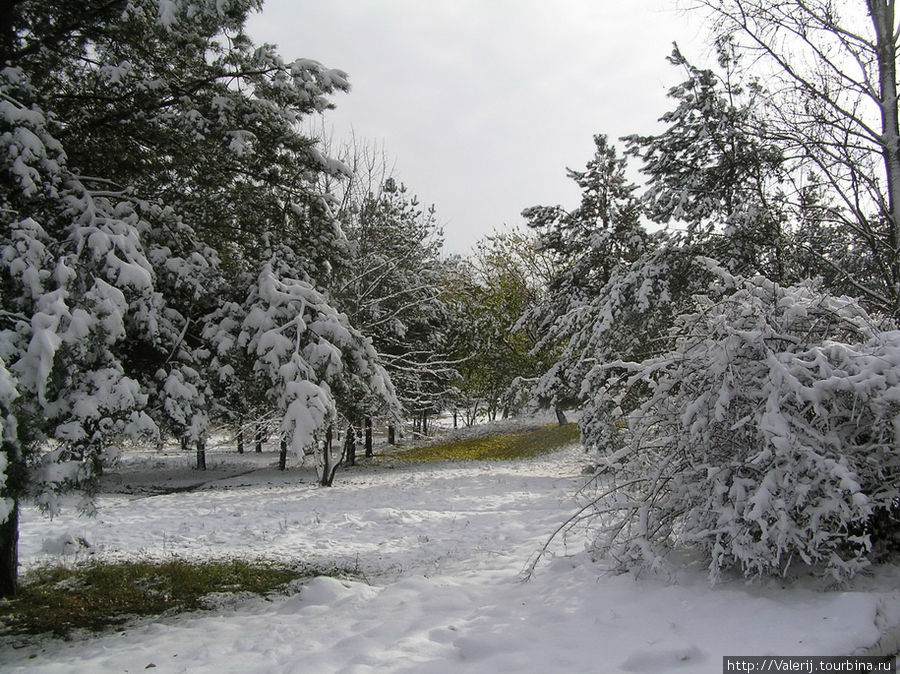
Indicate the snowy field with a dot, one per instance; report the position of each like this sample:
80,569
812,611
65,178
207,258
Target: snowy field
440,550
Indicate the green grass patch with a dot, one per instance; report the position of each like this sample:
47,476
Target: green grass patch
493,447
60,600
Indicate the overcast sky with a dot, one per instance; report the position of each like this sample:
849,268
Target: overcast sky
482,104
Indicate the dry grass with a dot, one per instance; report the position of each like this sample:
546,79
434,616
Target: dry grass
60,600
495,447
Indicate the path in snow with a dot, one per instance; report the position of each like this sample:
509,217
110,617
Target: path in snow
442,548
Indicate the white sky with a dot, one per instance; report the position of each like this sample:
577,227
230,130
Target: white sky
484,103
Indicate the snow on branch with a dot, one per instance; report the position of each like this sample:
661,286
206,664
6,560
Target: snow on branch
765,437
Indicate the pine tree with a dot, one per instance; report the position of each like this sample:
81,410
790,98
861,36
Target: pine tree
830,71
587,245
763,438
714,172
391,290
163,234
75,282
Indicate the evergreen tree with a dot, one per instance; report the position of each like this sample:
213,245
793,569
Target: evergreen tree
76,285
762,438
713,170
587,245
174,102
133,132
391,291
830,70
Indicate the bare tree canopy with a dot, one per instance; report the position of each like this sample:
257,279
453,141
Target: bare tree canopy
830,72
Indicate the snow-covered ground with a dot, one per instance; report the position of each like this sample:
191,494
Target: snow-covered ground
440,549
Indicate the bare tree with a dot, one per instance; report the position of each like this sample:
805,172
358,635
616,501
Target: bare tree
830,69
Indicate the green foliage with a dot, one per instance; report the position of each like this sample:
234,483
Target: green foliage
714,171
59,600
589,245
489,292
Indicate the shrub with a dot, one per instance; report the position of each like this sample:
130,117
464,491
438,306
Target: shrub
767,435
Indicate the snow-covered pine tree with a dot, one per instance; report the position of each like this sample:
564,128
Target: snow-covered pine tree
310,359
106,112
391,286
588,245
830,70
75,281
173,99
714,172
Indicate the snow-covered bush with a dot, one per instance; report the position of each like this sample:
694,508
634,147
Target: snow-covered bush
766,436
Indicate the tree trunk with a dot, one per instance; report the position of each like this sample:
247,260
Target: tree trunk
327,475
561,416
9,553
97,460
240,439
350,445
425,424
882,14
472,414
7,30
369,452
185,443
201,454
392,437
454,417
330,466
259,440
282,455
12,489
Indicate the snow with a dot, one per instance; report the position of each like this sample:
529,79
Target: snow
440,550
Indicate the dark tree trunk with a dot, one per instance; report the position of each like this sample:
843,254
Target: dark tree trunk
201,454
185,444
369,452
425,424
282,455
9,553
259,440
240,439
326,459
561,416
7,31
97,460
392,438
14,487
327,470
454,417
350,446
